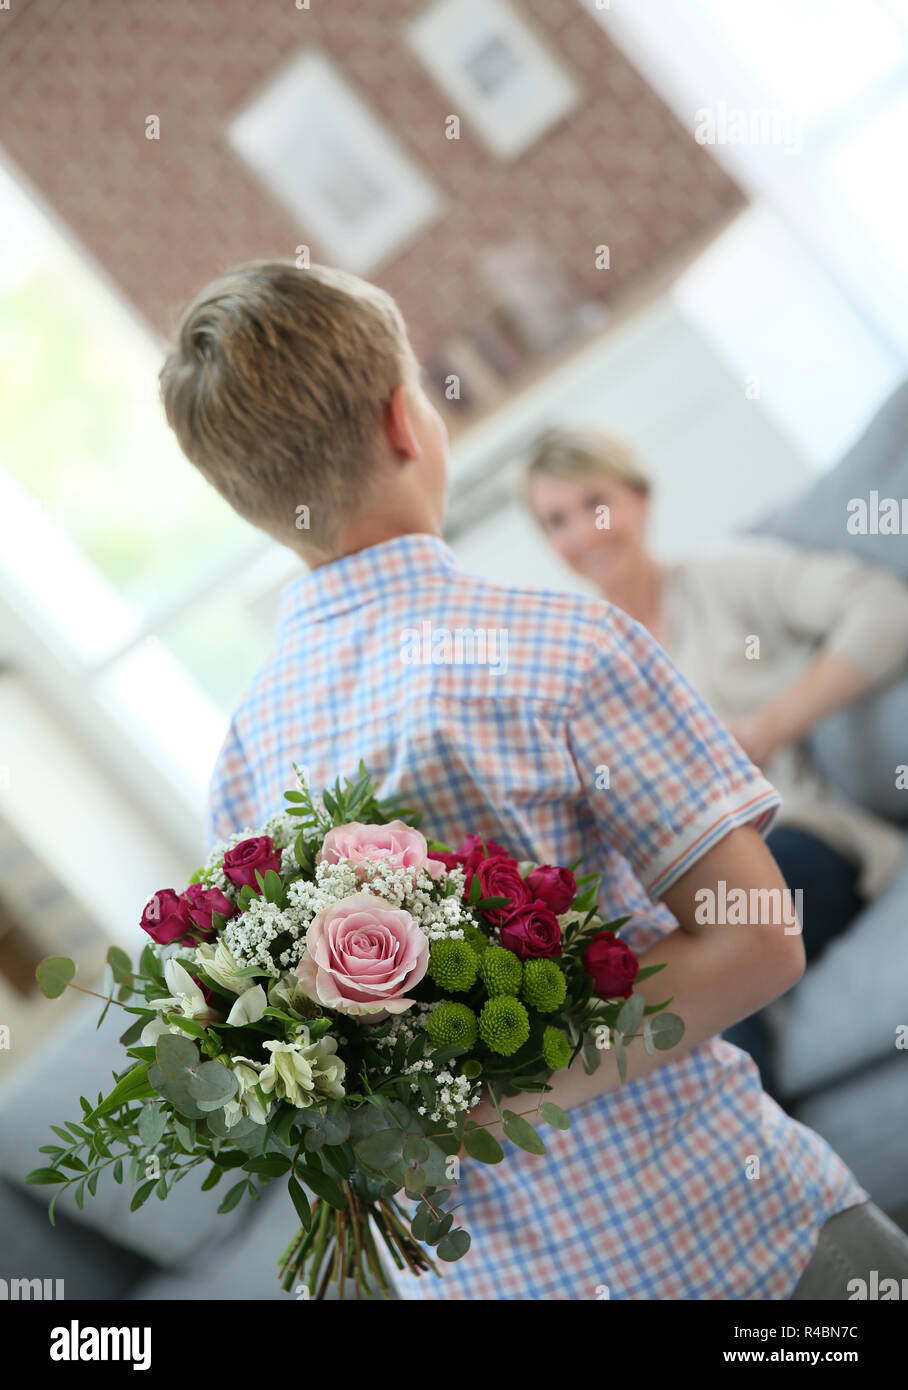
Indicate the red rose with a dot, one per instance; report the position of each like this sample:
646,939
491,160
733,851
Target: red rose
554,886
501,878
201,902
531,930
612,964
166,918
470,855
241,862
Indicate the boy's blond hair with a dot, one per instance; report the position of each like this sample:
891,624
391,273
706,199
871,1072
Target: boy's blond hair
276,387
581,451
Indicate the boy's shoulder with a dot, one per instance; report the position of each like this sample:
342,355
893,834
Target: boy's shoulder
592,617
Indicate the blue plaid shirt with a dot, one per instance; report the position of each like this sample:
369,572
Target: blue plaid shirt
555,725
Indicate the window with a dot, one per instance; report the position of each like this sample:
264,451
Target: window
111,539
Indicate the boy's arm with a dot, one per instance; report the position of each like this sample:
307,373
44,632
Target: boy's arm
685,807
715,974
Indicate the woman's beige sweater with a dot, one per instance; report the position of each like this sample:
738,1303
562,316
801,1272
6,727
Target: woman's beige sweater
744,622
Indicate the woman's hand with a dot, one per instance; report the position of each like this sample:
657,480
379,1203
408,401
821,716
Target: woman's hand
757,735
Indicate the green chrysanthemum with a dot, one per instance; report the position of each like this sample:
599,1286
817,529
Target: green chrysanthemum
504,1024
476,938
544,985
500,971
556,1049
453,965
452,1025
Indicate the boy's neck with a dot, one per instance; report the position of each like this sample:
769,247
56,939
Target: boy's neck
369,532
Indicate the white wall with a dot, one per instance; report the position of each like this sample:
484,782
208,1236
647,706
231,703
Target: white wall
717,459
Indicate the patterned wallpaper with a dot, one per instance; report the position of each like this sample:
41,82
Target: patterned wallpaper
79,81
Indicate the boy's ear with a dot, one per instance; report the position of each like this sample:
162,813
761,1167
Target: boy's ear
399,430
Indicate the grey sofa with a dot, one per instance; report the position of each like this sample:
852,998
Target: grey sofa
839,1063
836,1030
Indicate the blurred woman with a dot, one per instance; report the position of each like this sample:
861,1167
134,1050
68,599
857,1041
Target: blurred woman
773,637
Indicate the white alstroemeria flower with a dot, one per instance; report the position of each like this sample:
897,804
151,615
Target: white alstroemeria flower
301,1070
221,965
287,994
247,1103
185,998
249,1008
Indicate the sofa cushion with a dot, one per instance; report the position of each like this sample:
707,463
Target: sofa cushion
866,1120
246,1265
859,749
89,1265
78,1061
845,1010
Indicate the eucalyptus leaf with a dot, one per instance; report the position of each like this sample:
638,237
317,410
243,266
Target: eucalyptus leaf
554,1115
668,1030
152,1123
211,1084
454,1246
521,1133
382,1150
482,1145
54,974
175,1056
631,1015
120,964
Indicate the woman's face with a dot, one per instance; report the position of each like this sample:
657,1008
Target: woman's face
598,525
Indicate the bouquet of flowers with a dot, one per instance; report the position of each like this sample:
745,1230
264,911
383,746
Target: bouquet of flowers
325,1004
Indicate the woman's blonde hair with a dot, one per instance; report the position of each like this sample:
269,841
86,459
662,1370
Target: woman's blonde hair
579,451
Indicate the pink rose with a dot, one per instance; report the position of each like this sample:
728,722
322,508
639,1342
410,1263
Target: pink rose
554,886
396,844
531,930
500,878
241,862
201,902
362,956
166,918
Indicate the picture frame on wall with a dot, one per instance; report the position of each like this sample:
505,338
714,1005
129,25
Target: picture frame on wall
326,155
500,77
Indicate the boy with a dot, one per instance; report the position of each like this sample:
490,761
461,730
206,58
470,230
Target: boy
297,394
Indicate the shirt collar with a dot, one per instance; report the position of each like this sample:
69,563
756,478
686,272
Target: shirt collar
366,574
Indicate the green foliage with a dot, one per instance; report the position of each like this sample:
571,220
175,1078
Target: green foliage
521,1133
554,1115
193,1087
482,1145
54,974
